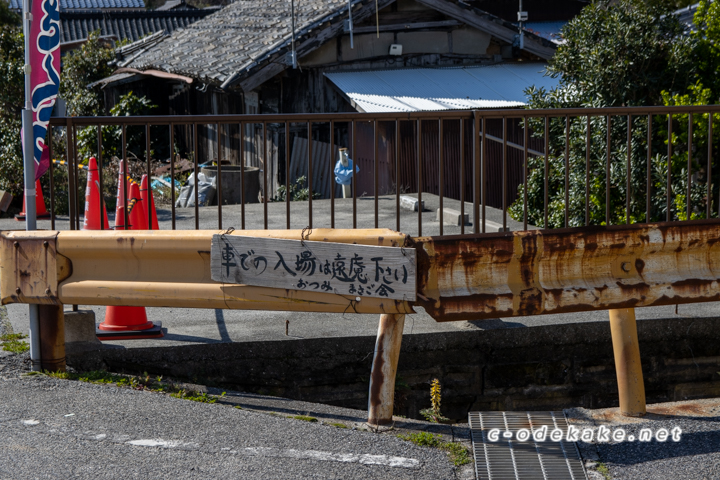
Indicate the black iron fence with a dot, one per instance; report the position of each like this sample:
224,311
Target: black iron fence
542,168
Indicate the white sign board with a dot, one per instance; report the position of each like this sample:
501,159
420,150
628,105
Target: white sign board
342,268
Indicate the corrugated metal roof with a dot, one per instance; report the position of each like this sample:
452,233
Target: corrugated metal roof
432,89
547,30
88,4
686,15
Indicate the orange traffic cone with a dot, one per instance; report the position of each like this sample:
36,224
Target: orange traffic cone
92,200
120,200
137,210
147,196
41,212
127,323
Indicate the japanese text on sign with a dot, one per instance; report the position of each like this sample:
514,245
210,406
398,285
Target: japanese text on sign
341,268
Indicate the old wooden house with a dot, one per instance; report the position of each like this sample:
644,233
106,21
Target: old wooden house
330,56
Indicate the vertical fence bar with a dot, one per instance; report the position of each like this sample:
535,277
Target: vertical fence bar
477,152
149,176
547,172
567,171
100,176
76,179
375,168
628,170
483,173
219,178
648,189
526,128
242,176
287,175
607,172
397,175
688,200
462,177
52,183
195,173
419,169
708,175
504,174
172,175
310,174
353,169
588,140
440,168
124,178
332,174
266,197
668,192
69,150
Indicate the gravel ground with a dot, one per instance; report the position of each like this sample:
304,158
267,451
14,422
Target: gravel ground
696,456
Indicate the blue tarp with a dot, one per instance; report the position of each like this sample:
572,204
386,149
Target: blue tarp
343,175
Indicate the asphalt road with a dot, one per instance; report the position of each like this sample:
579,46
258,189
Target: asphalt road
51,428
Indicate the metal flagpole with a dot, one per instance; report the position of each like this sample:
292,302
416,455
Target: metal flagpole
29,177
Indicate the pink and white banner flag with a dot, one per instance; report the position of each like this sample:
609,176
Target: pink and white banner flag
45,74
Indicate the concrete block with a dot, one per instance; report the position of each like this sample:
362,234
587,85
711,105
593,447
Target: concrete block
410,203
491,226
452,217
5,199
80,332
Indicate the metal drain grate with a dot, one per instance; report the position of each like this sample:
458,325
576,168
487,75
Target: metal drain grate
499,457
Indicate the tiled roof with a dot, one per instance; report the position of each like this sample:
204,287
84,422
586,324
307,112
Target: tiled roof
125,24
88,4
247,34
232,39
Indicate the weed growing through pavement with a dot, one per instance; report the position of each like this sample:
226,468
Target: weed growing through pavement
459,455
603,470
304,418
433,414
338,425
201,397
144,382
11,342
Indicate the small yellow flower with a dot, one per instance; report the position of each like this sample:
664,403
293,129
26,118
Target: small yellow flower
435,396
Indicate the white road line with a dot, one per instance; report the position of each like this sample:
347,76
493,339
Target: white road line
159,442
385,460
317,455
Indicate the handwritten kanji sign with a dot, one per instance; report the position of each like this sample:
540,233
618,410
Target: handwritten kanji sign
341,268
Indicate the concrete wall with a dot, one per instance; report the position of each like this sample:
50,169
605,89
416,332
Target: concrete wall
536,368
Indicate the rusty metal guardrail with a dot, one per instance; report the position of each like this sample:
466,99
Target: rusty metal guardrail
459,278
485,276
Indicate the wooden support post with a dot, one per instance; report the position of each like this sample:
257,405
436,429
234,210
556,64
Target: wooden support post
626,348
384,368
52,337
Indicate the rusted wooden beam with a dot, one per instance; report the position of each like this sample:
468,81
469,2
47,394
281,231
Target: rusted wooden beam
569,270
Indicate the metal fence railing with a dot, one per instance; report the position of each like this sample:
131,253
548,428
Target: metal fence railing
535,168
